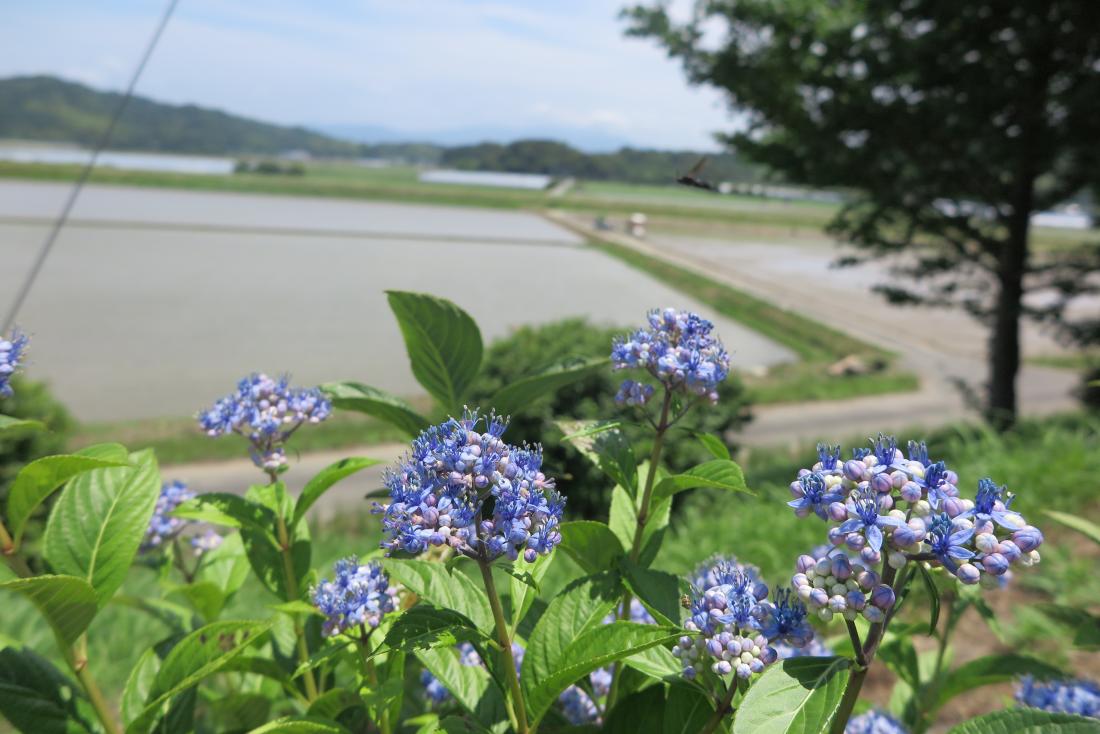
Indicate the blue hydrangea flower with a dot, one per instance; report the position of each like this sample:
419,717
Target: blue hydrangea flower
163,528
266,412
735,622
948,542
812,493
206,542
992,503
434,689
634,393
837,585
864,518
446,483
874,722
360,594
12,352
678,350
578,707
1081,697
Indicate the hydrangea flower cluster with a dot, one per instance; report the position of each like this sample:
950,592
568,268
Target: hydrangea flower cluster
12,351
266,412
678,350
360,594
1081,697
439,492
206,542
908,507
736,622
837,585
874,722
163,528
814,649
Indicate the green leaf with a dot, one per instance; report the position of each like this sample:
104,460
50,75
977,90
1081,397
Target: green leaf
796,696
325,479
1089,529
524,591
446,589
623,521
226,565
237,711
592,649
36,698
228,510
298,606
607,447
993,669
522,393
424,627
331,704
657,662
900,656
933,598
206,597
443,342
717,474
198,655
97,524
642,712
11,425
582,605
657,590
622,518
300,725
67,603
138,685
686,711
591,544
38,479
471,685
1026,721
716,446
176,617
376,403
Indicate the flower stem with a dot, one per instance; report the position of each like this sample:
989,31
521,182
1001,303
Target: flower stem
507,659
723,708
293,594
95,696
651,475
848,703
857,646
372,676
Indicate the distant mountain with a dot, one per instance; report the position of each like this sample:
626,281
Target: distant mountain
48,108
587,139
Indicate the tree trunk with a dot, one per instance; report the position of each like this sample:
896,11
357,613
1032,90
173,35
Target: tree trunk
1005,341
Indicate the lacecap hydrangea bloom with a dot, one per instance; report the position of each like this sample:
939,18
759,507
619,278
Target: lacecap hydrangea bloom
266,412
12,351
359,594
874,722
163,528
736,622
886,506
464,487
677,350
1081,697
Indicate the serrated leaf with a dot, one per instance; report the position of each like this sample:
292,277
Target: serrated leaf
36,698
67,603
592,649
325,479
795,696
580,606
138,685
198,655
228,510
1089,529
376,403
446,589
607,448
443,343
591,544
1026,721
97,524
513,398
39,479
524,591
714,445
657,662
992,669
471,685
659,591
300,725
717,474
424,627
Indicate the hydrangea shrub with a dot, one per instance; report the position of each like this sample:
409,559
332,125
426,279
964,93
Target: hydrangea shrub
447,627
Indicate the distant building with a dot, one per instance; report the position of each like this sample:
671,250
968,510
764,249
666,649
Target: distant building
529,181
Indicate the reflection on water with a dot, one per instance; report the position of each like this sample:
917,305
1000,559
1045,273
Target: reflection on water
118,159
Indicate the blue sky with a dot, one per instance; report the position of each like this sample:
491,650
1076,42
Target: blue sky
416,66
